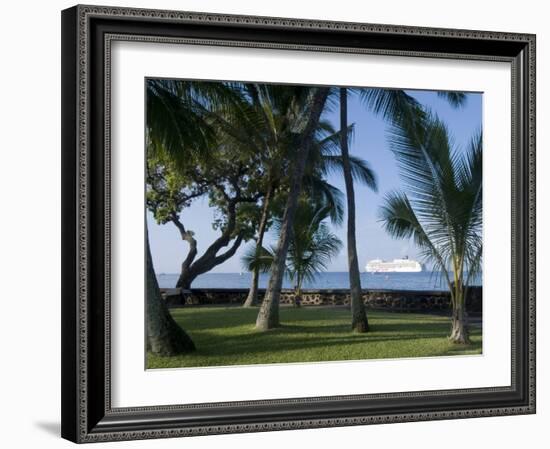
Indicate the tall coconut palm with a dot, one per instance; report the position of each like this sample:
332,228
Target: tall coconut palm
442,209
323,159
392,105
272,130
359,320
311,247
266,127
268,316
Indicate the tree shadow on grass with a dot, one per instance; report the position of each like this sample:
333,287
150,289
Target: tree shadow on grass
290,329
272,343
228,337
221,320
307,352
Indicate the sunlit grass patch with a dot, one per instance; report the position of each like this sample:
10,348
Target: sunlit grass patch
226,336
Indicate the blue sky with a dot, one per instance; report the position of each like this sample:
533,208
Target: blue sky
371,144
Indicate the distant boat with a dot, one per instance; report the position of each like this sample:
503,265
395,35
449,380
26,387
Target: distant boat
404,265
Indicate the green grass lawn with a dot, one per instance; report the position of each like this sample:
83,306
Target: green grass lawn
226,336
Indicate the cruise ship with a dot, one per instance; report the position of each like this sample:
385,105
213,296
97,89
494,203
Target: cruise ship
404,265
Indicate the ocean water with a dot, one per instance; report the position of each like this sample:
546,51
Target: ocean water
426,280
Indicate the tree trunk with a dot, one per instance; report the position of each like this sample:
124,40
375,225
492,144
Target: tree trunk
268,316
298,293
191,267
184,281
205,263
459,325
252,298
164,336
359,321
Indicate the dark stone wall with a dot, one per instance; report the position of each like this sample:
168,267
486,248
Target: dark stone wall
395,300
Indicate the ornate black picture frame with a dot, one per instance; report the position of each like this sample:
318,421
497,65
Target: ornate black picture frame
87,34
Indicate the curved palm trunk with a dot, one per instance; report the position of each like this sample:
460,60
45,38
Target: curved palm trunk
268,316
164,336
252,298
359,321
459,325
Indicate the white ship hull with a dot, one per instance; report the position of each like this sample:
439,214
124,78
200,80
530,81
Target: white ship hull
395,266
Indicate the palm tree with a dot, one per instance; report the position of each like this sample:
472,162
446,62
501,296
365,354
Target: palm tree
310,250
275,130
393,105
274,109
442,209
164,336
265,126
268,316
359,320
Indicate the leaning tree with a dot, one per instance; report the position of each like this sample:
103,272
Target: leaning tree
174,128
164,336
224,181
274,122
314,103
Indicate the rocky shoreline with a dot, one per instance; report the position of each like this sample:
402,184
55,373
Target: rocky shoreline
392,300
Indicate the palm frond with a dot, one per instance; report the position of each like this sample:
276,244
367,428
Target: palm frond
428,166
400,221
175,124
391,104
257,258
312,245
454,98
329,141
360,169
326,195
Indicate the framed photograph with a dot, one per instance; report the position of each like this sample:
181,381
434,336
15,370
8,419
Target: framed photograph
275,224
